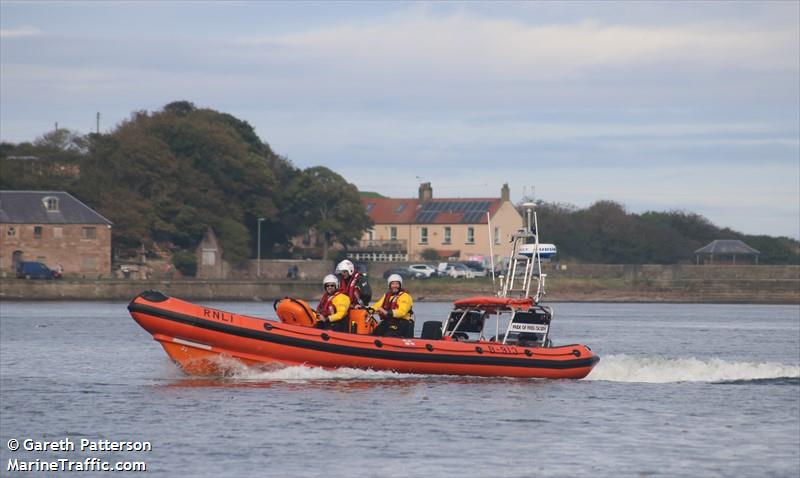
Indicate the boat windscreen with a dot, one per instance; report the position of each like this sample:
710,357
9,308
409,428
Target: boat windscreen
473,321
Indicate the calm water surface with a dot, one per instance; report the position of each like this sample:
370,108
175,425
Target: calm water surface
681,390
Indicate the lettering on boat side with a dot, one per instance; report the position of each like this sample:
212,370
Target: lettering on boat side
503,349
218,315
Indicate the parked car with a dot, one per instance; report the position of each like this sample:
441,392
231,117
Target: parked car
35,270
459,270
477,268
424,270
402,272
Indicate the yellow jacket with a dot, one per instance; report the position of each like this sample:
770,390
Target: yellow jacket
399,305
340,303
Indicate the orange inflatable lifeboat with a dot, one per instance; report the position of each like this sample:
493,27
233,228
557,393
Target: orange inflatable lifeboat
202,340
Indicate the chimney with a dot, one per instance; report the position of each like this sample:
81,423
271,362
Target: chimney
505,193
425,192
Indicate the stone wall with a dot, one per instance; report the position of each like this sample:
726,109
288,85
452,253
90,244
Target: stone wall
128,289
277,269
673,272
647,283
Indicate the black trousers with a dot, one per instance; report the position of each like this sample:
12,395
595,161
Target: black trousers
395,328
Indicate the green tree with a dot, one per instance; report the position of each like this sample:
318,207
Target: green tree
326,202
185,262
606,233
164,178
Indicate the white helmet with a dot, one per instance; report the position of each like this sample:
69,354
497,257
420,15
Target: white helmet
330,279
395,278
345,265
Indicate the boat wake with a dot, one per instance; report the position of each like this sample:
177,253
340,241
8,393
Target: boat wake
624,368
237,371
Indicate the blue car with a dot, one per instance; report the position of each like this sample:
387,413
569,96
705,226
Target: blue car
34,270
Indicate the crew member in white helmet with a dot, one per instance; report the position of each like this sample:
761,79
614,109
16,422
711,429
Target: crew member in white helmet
333,306
354,284
395,310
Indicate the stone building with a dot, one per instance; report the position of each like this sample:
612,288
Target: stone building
55,228
209,258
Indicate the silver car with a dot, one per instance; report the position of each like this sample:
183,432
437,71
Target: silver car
422,270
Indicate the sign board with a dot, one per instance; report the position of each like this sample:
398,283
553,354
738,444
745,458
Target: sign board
530,328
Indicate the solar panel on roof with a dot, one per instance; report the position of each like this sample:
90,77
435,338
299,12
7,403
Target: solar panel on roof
427,216
472,217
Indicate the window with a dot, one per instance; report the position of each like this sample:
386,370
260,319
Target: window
50,203
400,208
470,235
58,232
371,235
370,207
89,233
447,235
497,235
393,233
423,235
209,257
37,232
12,231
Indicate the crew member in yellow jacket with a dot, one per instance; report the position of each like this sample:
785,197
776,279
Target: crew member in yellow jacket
333,306
395,310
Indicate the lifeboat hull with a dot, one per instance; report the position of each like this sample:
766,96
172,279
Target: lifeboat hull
205,341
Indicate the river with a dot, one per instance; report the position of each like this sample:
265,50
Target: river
681,390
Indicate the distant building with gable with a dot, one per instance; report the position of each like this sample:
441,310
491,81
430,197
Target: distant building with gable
456,228
55,228
724,251
209,257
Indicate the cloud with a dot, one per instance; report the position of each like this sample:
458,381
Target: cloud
584,100
24,31
462,44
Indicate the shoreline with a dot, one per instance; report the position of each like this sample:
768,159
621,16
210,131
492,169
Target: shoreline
765,291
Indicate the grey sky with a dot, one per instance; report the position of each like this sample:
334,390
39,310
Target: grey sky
660,106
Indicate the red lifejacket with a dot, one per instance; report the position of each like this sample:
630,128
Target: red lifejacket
325,306
349,287
390,300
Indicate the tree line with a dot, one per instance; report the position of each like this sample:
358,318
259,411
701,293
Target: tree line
163,178
605,233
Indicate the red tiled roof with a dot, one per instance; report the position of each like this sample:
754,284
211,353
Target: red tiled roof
434,211
448,218
391,211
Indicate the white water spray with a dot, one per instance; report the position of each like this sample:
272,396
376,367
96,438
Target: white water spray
624,368
303,373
